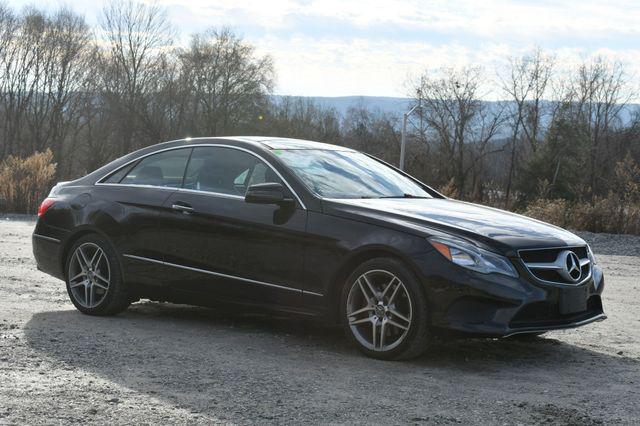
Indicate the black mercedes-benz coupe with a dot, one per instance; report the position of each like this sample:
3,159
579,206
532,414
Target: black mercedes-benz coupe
312,229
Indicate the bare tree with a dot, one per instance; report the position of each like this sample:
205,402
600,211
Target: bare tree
8,28
295,117
595,99
227,81
44,65
525,84
374,132
137,35
460,123
66,49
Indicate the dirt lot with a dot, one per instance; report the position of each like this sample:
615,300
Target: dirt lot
159,363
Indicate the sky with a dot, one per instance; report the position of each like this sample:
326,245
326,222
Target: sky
373,48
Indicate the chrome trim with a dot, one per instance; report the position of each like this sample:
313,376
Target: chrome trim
98,182
217,194
181,208
556,266
44,237
190,191
133,185
553,248
131,256
311,293
217,274
526,330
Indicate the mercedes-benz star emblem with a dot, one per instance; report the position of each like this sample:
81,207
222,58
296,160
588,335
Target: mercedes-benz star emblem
572,271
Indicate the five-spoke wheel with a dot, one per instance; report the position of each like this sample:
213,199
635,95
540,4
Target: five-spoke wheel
89,275
384,310
379,310
94,278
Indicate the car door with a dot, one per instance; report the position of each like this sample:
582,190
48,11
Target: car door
134,196
221,246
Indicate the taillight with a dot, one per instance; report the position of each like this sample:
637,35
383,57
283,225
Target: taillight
44,206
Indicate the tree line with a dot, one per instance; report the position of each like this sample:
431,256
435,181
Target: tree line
558,144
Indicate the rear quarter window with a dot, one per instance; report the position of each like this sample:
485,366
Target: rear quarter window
165,169
119,174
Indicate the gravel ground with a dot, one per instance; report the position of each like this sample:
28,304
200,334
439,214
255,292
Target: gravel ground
162,363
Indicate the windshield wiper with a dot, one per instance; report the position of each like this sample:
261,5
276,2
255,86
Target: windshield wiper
403,196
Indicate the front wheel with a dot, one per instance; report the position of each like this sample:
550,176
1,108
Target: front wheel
384,310
94,278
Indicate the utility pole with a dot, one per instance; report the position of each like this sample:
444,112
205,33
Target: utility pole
403,137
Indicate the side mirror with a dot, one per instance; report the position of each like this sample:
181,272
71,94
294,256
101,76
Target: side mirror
266,193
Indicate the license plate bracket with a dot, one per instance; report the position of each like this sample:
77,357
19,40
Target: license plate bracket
573,300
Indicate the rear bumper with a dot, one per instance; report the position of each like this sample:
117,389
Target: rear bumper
47,253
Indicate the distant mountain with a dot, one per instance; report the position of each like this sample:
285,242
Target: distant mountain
374,103
398,105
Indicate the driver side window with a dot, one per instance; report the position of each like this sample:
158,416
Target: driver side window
262,174
225,171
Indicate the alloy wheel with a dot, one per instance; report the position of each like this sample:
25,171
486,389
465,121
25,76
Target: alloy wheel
379,310
90,275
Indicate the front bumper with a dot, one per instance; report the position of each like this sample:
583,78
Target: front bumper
494,305
589,318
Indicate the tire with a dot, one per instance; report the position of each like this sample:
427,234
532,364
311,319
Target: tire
94,277
399,301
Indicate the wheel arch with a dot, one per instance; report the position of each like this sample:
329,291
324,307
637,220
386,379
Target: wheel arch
351,263
78,233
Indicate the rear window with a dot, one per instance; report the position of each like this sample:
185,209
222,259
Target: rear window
164,169
118,175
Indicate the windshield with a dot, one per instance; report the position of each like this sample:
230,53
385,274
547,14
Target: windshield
348,174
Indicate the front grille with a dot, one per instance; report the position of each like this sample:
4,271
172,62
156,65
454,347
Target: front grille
549,255
555,265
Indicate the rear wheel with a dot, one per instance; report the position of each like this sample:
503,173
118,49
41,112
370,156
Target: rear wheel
384,311
94,277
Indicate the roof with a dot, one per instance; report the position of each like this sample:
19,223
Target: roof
289,143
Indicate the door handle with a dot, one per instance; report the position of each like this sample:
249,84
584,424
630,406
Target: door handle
182,207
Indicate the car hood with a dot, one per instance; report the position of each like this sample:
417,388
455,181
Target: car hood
498,229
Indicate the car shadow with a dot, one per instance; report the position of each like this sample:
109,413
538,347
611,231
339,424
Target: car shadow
206,359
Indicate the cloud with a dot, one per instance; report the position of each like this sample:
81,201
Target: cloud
369,47
341,47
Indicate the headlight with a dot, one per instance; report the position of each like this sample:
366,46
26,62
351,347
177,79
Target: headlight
471,257
592,258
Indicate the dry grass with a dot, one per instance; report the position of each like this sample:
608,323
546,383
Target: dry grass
556,212
24,182
604,214
608,214
618,212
